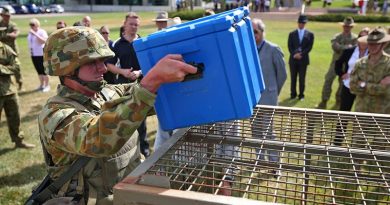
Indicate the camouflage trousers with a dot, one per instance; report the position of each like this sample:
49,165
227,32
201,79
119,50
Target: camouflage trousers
327,88
11,108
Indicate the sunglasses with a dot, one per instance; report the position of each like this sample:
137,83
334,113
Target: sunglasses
31,24
257,31
105,33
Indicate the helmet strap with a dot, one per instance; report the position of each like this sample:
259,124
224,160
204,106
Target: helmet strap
74,85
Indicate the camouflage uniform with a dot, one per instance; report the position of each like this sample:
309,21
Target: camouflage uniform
9,28
8,95
387,48
103,128
340,42
374,97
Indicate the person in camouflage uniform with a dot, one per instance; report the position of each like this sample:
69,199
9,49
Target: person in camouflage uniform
8,95
90,118
340,42
8,34
370,80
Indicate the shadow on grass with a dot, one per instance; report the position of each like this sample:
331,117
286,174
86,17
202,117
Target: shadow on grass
5,150
25,176
27,92
289,102
31,116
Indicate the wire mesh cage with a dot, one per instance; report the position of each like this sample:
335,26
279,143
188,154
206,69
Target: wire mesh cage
282,155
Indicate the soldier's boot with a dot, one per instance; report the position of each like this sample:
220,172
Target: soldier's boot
24,145
322,105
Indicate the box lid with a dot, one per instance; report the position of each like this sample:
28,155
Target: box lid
191,29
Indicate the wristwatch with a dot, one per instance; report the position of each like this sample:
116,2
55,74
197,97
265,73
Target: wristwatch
362,84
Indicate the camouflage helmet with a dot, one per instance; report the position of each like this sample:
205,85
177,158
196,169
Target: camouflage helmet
69,48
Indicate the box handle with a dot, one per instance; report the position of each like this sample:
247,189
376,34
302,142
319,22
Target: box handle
198,74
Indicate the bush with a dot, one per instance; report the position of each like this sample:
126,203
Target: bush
187,14
357,18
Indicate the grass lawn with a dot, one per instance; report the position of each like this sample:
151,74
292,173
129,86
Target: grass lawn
20,170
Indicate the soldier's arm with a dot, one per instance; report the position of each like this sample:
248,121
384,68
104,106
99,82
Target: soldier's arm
98,136
13,64
336,46
355,80
15,32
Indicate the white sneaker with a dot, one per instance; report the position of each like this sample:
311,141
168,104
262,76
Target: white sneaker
46,89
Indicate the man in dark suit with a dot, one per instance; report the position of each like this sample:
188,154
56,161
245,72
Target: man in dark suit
300,42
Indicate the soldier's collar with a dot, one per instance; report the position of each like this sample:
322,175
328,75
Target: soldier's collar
66,92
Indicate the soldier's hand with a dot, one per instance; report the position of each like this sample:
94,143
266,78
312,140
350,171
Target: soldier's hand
11,35
169,69
385,81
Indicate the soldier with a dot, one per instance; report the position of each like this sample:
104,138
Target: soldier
8,34
340,42
370,80
8,95
87,117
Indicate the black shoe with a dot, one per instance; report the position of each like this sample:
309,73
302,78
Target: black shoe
301,98
292,97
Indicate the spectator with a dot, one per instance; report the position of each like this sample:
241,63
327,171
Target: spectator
267,5
300,43
61,24
77,23
176,20
8,34
178,5
86,21
208,12
89,118
384,7
128,68
340,42
370,80
161,20
256,5
274,74
343,68
105,32
9,96
36,40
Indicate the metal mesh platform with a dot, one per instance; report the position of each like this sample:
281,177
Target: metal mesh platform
283,155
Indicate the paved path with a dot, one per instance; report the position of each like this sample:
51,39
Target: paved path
286,14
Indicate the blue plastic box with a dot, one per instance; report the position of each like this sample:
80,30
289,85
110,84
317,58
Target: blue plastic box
231,81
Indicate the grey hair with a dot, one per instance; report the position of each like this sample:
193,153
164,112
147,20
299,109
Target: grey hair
259,24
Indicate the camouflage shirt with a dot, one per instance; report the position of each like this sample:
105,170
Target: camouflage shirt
374,97
387,49
9,28
340,42
100,130
8,66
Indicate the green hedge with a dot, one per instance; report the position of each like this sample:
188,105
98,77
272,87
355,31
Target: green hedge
187,15
357,18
